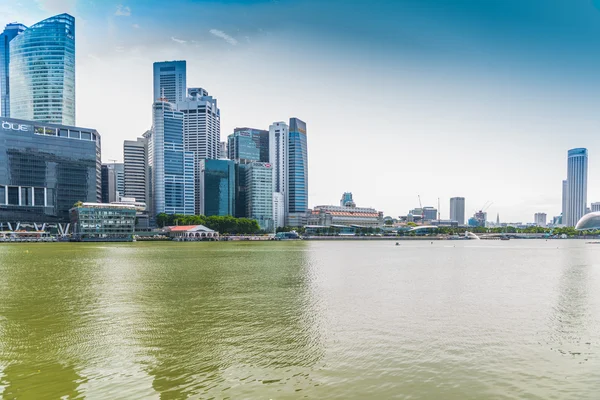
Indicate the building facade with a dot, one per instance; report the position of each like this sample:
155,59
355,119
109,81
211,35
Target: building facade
577,164
135,165
113,182
297,174
363,217
98,222
595,207
45,169
42,72
171,168
223,150
565,196
10,32
259,196
278,158
540,219
217,187
430,213
169,81
201,130
457,210
347,200
278,210
248,145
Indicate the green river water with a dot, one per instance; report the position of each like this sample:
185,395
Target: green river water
286,320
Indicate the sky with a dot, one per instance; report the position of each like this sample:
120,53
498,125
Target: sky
437,98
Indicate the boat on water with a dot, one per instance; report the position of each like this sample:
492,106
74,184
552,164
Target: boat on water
504,238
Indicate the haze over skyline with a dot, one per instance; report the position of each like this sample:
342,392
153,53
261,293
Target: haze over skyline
479,99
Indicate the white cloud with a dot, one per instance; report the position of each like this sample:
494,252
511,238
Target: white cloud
224,36
136,26
123,11
57,6
178,40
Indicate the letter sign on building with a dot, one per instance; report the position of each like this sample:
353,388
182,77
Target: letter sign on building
15,127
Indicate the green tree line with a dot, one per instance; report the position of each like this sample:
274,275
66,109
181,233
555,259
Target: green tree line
222,224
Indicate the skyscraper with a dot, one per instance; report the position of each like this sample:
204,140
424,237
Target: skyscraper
577,163
248,145
297,174
565,196
540,219
171,168
457,210
278,158
113,182
347,200
10,32
169,81
42,72
135,160
201,130
259,197
217,181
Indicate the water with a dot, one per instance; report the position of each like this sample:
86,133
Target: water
286,320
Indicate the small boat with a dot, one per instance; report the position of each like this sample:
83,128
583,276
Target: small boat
504,238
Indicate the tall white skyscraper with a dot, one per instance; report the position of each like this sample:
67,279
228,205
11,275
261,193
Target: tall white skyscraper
169,81
201,130
540,219
278,157
135,157
259,196
457,210
577,165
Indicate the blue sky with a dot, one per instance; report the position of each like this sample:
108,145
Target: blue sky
473,98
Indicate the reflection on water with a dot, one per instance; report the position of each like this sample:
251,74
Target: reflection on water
348,320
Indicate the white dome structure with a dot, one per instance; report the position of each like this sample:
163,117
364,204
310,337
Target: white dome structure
589,221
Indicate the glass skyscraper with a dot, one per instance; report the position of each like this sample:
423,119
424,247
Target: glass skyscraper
45,169
217,180
171,168
248,145
169,81
10,32
42,72
577,164
259,196
297,173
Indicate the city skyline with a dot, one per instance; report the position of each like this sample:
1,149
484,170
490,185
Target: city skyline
495,117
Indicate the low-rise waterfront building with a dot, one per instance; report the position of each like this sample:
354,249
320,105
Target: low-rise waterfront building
188,233
345,216
101,222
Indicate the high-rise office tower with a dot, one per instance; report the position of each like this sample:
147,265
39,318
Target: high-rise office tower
540,219
217,181
577,163
223,150
171,168
135,160
457,210
42,72
248,145
565,196
278,158
259,197
169,81
10,32
297,174
113,182
278,210
201,129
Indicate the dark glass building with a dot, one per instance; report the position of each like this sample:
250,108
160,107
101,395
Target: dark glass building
217,186
248,145
297,173
45,169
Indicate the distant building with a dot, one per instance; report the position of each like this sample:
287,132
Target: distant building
278,210
478,220
259,197
217,187
223,150
45,169
42,71
201,130
99,222
565,196
171,168
189,233
248,145
278,157
577,185
430,213
113,182
540,219
457,210
348,215
169,81
297,174
135,168
595,207
10,32
346,200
